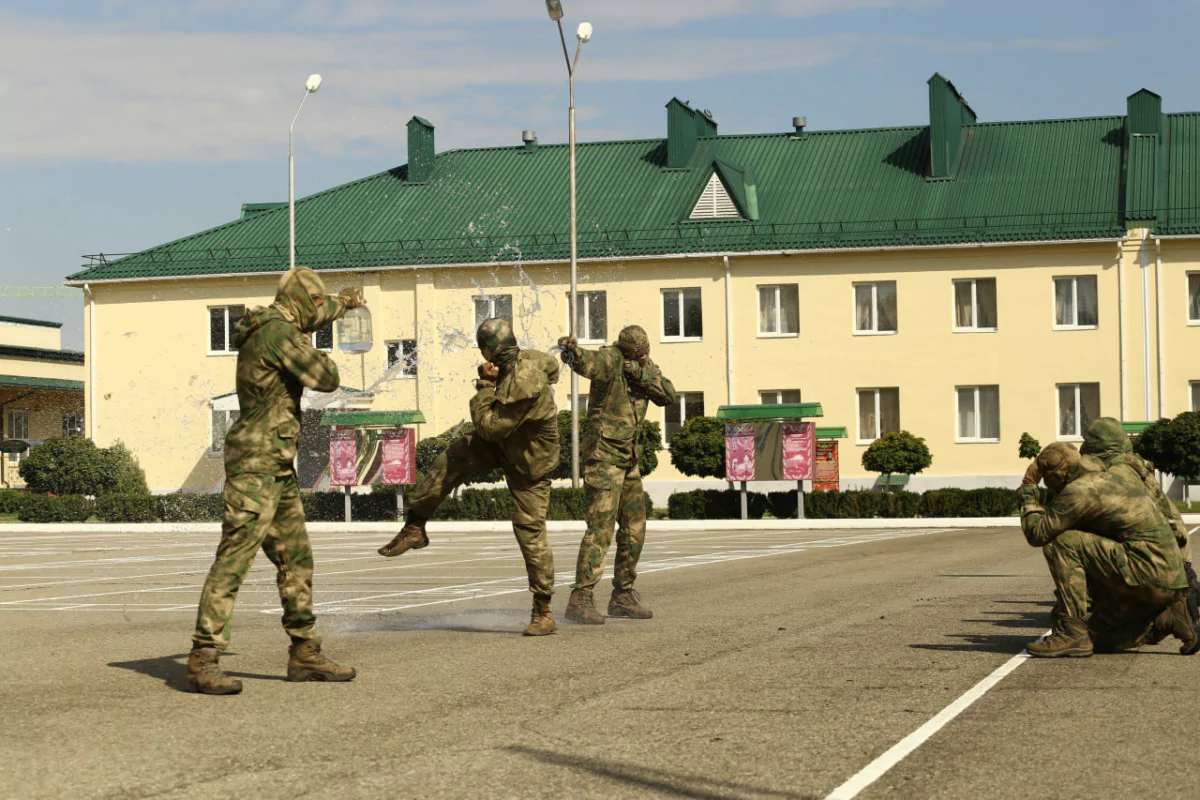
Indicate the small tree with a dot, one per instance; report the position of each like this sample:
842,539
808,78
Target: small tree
74,465
649,437
1173,445
698,448
898,452
1029,447
127,474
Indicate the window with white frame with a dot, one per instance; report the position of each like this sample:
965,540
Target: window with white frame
975,304
683,318
978,413
1193,296
584,404
404,352
323,338
1078,405
72,423
1195,387
878,413
491,306
1075,302
779,310
875,307
18,423
686,406
776,397
221,320
222,421
591,324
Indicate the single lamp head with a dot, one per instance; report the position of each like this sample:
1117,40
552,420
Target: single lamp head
554,9
314,83
585,32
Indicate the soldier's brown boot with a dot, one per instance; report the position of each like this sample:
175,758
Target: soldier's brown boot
411,537
581,608
1180,619
627,603
204,674
541,621
305,663
1070,638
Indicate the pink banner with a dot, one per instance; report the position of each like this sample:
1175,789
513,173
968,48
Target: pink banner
799,440
400,457
343,458
739,452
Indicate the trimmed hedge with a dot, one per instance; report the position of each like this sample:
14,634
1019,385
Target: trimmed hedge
189,507
861,504
45,508
126,508
10,500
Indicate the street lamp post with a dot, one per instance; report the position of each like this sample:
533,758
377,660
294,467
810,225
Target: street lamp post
313,83
584,34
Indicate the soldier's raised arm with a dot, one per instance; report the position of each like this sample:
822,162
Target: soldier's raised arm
495,418
601,364
311,367
1042,524
658,388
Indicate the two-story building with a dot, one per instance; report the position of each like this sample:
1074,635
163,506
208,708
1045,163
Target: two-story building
967,281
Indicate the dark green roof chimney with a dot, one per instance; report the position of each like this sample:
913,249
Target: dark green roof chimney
1145,158
685,125
420,150
949,115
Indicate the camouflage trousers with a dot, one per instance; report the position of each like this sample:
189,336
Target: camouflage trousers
614,497
1094,582
472,454
260,511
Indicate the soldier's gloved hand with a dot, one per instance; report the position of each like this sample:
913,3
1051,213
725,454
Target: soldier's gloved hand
1032,475
488,371
633,370
569,349
351,298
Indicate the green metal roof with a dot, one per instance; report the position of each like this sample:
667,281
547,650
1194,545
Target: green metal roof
22,382
777,411
832,433
372,419
40,353
1135,428
1011,182
44,323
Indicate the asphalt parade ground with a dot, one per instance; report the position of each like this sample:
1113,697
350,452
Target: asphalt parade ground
779,664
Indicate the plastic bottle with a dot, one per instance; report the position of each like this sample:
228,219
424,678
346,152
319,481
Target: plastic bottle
354,331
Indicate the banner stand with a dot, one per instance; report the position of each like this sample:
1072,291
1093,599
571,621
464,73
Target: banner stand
391,451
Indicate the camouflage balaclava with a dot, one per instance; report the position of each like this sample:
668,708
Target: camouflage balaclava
1059,463
633,342
294,299
1105,439
497,342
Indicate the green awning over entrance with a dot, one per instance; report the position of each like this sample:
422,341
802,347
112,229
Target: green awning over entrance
784,411
21,382
372,419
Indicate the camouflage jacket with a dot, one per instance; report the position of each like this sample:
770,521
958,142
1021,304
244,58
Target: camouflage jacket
517,413
617,403
275,362
1108,503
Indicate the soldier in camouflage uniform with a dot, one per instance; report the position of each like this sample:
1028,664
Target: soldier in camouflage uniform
623,381
1101,531
276,360
516,429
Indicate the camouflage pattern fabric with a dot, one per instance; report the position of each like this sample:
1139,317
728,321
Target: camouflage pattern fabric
621,390
260,511
276,360
1106,440
614,497
497,342
516,429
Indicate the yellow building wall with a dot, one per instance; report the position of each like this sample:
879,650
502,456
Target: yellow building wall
155,377
22,335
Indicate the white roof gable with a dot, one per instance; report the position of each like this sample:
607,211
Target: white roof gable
715,202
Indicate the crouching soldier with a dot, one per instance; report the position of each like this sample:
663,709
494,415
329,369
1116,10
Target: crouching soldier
516,430
1103,533
623,382
276,360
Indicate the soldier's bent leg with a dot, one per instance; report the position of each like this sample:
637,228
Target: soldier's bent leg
250,502
631,530
529,526
602,488
287,546
462,459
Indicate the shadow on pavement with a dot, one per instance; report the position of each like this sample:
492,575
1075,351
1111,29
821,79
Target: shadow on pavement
668,783
503,621
1035,620
172,670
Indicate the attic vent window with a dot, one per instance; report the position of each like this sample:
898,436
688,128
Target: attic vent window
715,202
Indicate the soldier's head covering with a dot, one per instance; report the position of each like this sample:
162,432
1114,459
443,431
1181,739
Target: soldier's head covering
295,299
497,342
1105,439
1060,463
633,342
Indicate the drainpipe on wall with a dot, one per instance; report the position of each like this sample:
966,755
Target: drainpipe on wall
91,359
1146,322
728,333
1162,375
1121,318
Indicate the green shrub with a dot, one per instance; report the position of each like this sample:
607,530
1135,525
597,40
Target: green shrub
126,508
861,504
1173,445
897,453
74,465
127,476
698,448
190,507
716,504
10,500
1028,447
45,508
649,438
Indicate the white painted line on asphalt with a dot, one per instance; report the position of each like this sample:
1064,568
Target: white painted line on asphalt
899,751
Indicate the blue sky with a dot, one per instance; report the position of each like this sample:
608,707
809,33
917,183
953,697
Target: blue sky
127,123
